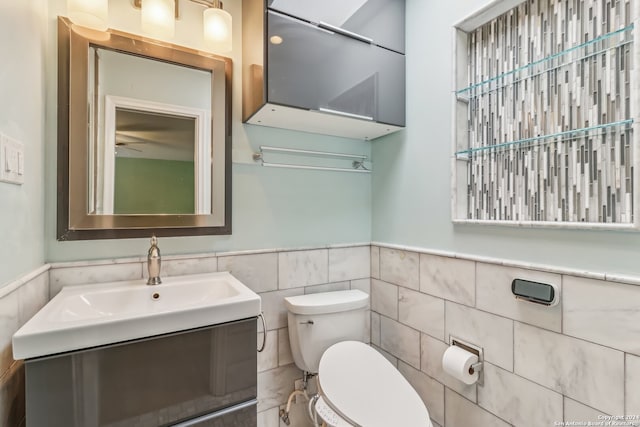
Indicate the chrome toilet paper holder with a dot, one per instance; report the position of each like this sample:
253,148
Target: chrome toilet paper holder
472,348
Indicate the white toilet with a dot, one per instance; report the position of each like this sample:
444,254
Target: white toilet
357,385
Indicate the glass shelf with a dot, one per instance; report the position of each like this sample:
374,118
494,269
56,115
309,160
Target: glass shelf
591,48
564,136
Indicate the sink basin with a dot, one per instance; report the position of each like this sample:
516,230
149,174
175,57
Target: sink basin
87,316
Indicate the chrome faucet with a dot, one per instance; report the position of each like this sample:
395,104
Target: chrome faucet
154,262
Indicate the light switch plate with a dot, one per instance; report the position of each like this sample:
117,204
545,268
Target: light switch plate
11,160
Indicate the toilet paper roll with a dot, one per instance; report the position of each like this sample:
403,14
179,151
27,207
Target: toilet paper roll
457,362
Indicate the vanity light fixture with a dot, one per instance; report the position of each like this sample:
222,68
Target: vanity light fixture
157,17
89,13
217,25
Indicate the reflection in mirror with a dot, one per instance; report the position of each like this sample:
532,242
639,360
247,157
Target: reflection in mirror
154,156
120,85
154,164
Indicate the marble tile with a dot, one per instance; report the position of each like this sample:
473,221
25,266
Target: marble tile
375,328
9,324
430,390
275,385
303,268
390,357
518,401
284,348
375,262
401,341
69,276
422,312
269,418
606,313
367,331
275,311
493,294
12,402
362,284
632,385
589,373
449,278
349,263
493,333
328,287
32,296
400,268
183,266
268,358
577,412
259,272
384,298
459,412
431,352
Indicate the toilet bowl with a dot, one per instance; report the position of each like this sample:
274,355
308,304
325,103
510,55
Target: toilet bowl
357,386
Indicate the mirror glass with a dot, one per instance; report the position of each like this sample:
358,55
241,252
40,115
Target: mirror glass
154,155
154,165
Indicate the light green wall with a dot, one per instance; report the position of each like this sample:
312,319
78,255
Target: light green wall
153,186
411,202
22,73
271,207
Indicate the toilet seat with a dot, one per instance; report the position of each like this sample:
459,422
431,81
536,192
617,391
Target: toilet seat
366,390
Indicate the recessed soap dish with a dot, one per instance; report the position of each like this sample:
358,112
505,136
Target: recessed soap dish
546,294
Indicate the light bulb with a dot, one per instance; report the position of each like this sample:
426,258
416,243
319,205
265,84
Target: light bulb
158,18
217,25
89,13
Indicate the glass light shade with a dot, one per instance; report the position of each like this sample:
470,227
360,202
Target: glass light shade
89,13
217,29
158,18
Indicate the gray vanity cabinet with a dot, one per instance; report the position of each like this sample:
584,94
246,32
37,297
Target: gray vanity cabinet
334,67
201,377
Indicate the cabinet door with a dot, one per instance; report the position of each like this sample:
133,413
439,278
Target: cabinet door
317,69
150,382
382,21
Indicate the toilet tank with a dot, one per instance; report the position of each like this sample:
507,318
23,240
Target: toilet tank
317,321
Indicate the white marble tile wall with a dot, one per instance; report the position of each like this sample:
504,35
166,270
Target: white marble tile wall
517,400
577,411
400,267
587,372
303,268
19,301
448,278
577,361
632,384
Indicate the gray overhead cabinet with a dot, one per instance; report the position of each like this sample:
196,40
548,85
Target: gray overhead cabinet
334,67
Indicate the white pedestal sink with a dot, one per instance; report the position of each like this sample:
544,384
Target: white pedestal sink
87,316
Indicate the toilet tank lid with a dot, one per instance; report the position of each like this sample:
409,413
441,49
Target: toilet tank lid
327,302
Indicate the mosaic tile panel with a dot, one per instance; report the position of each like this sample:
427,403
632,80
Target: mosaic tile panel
549,113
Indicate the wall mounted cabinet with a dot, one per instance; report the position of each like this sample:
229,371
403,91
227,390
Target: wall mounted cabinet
336,70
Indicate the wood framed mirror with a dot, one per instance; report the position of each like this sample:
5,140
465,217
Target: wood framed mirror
144,137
